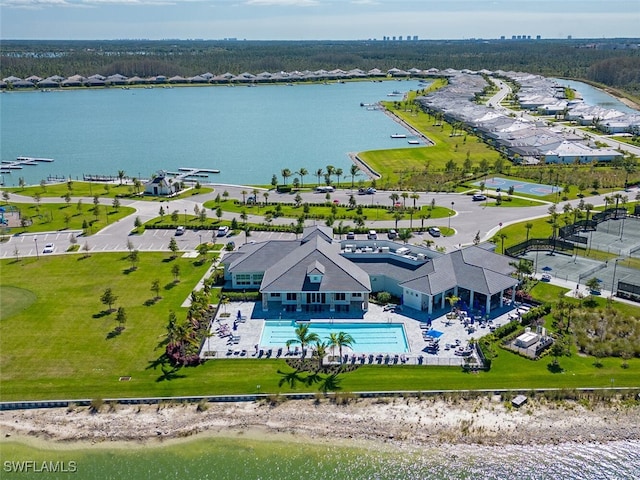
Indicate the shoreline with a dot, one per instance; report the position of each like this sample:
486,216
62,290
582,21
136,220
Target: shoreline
394,423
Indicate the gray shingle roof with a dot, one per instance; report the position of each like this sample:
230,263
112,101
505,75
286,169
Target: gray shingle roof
290,273
472,268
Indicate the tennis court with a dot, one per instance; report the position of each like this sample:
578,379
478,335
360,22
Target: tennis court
537,189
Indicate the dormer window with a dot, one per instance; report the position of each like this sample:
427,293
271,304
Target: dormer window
315,272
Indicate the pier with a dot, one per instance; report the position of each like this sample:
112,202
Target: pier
8,165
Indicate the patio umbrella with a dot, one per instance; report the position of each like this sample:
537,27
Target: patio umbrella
547,269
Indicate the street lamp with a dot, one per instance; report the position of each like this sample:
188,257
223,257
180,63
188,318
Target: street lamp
450,213
185,217
35,239
613,281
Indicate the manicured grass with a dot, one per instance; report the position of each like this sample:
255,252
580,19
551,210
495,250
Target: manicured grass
14,300
92,189
59,346
399,163
48,217
381,211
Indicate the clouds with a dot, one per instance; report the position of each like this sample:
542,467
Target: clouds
316,19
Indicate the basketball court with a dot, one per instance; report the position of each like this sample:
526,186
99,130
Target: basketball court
537,189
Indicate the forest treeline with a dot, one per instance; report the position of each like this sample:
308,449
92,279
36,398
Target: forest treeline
614,62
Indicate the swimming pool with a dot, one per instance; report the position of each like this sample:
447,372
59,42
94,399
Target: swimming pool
368,337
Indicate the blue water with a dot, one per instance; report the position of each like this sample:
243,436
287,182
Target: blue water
593,96
368,337
247,133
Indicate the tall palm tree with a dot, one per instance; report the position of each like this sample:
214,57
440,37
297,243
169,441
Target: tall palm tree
319,174
404,196
286,173
394,198
303,336
121,175
331,170
338,173
414,197
340,339
354,170
302,172
528,226
319,352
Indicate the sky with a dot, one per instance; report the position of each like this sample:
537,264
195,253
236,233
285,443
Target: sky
316,19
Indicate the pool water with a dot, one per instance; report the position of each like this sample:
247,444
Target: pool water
368,337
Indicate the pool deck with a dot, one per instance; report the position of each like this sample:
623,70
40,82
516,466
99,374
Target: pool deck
248,331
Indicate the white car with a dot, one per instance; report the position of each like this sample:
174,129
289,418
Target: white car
179,231
48,248
223,230
372,235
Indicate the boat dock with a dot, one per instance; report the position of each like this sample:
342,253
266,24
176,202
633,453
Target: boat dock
192,172
8,165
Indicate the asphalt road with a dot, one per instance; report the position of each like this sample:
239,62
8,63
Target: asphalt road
470,217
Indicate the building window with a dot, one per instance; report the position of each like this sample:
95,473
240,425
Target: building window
243,279
292,297
340,296
275,294
356,295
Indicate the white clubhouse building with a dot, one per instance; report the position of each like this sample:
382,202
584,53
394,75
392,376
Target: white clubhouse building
318,274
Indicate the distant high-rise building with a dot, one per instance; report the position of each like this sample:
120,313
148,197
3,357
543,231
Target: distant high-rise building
415,38
538,37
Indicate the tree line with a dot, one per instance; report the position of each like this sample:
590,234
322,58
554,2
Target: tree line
608,61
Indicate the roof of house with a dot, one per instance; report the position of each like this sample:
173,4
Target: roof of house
290,273
472,268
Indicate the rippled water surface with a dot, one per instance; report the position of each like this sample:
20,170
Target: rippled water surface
222,459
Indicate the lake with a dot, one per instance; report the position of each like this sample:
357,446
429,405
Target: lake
593,96
239,459
247,133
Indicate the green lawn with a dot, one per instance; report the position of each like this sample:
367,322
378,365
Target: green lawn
92,189
381,210
47,217
59,346
398,163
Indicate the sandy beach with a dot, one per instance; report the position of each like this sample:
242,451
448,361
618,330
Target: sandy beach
399,421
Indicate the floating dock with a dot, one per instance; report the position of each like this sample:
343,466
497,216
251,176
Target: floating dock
8,165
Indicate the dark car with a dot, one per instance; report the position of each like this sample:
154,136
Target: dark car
351,236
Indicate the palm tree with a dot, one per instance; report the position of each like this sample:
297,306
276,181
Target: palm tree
394,198
405,235
340,339
302,172
338,173
331,170
414,197
528,226
266,197
286,173
319,174
354,170
502,236
319,352
404,196
588,207
397,216
303,336
121,175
